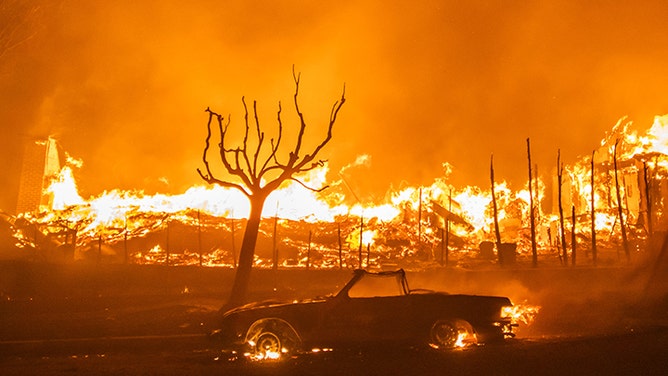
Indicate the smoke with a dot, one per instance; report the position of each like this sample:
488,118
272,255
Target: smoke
124,85
571,302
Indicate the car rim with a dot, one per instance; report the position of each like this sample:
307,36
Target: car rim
444,334
268,345
271,339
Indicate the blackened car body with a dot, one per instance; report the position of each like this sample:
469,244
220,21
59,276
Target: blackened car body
370,307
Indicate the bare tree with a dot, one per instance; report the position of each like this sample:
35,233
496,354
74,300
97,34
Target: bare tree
260,171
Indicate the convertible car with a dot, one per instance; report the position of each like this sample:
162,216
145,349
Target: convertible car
371,307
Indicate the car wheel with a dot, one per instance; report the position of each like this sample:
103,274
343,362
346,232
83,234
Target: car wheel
272,339
268,343
447,334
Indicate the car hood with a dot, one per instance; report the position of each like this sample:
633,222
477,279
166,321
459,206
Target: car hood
272,303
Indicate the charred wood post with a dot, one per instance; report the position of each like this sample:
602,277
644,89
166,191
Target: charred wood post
338,228
620,206
532,214
573,243
419,241
125,241
308,251
443,243
360,247
648,197
447,246
496,213
447,231
593,211
368,254
560,172
167,245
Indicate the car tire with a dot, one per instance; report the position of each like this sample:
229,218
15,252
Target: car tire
448,334
272,339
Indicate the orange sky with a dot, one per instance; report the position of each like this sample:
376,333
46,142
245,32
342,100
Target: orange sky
123,86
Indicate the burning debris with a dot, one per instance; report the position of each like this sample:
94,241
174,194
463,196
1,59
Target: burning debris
522,313
417,227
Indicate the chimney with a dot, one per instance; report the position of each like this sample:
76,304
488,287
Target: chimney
41,164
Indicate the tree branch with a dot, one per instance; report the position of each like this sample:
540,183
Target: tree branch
307,187
209,174
237,171
294,156
251,177
244,149
260,138
274,147
332,119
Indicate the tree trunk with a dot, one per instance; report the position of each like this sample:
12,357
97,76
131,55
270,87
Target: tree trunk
246,254
234,246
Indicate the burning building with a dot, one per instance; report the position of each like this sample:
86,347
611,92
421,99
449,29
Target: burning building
416,227
620,187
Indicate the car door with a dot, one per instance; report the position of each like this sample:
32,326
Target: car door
373,313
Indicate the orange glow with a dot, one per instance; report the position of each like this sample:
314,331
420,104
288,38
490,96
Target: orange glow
124,87
408,225
521,313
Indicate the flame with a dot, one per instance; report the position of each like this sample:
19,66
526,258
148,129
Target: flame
635,151
406,226
267,355
521,313
264,354
64,190
465,338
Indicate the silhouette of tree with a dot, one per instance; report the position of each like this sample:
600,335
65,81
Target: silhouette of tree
260,170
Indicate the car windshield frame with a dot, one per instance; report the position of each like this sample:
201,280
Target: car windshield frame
376,284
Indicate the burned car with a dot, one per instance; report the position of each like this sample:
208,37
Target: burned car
371,307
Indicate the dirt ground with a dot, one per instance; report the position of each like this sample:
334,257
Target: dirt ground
640,353
91,319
